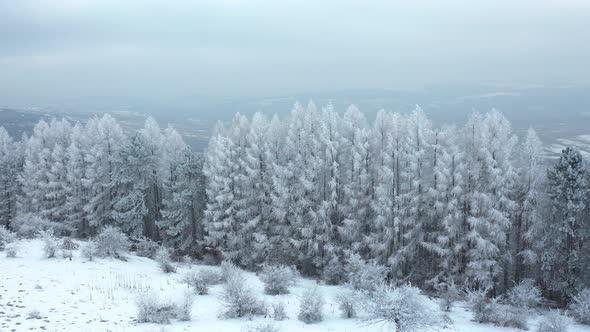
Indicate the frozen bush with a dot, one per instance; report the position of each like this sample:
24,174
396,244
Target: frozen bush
239,299
403,308
449,293
67,254
334,272
310,308
164,261
145,247
34,314
88,250
68,244
50,243
263,327
12,250
6,237
347,302
278,311
509,316
554,321
229,270
364,276
211,277
29,225
199,284
184,308
111,242
580,306
151,309
481,306
277,279
525,294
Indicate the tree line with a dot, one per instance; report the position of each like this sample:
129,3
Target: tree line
468,204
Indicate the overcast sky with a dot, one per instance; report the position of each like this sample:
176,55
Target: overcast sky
161,49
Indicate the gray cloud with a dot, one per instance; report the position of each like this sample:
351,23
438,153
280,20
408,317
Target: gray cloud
239,48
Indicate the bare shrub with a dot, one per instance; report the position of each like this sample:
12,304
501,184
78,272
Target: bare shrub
6,237
554,321
401,307
580,306
111,242
239,299
277,279
151,309
196,280
347,302
524,294
363,275
88,250
164,261
12,250
68,244
311,306
278,311
50,243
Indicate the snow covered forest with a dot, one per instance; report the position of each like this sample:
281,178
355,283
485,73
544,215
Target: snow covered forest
471,204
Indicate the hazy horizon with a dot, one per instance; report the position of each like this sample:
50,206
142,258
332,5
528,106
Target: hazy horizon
155,51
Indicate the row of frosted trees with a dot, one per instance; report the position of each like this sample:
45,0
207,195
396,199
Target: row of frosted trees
470,204
79,178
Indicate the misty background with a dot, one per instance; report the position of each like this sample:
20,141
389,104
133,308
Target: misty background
192,63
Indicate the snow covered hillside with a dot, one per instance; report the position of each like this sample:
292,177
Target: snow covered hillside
59,294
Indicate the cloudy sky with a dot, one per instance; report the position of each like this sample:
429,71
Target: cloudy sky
162,49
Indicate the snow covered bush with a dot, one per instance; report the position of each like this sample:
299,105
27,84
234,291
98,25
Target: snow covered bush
278,311
363,275
202,279
311,306
68,244
263,327
34,314
50,243
580,306
151,309
88,250
229,270
554,321
145,247
347,302
481,306
164,261
6,237
334,272
12,250
403,308
277,279
448,293
29,225
525,294
239,299
509,316
111,242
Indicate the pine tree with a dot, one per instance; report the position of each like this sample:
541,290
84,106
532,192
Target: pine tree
10,164
566,229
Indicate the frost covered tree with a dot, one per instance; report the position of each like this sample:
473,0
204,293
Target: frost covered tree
566,229
10,164
184,200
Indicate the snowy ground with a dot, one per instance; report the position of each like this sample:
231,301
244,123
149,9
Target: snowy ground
100,296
